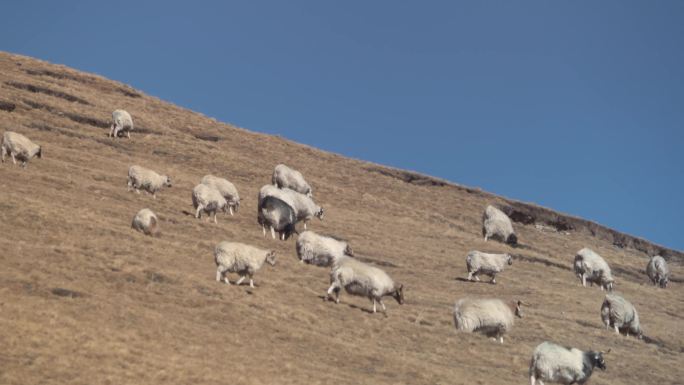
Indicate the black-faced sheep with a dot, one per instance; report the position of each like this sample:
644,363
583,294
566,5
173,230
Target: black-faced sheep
555,363
277,215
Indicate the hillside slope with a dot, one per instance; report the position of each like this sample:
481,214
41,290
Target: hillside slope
86,300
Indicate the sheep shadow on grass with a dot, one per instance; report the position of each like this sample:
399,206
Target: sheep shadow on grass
461,279
368,310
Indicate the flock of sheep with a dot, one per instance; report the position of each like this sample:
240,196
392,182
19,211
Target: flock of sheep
289,200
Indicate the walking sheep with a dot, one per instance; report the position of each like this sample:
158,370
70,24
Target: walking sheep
305,208
558,364
209,200
141,178
19,147
496,224
146,221
321,250
245,260
121,122
285,177
658,271
591,267
226,189
478,262
492,317
278,216
358,278
620,314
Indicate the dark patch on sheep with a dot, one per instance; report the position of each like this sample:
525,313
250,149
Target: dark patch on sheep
208,137
61,292
408,176
7,106
47,91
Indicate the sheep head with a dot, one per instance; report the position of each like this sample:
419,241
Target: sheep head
399,294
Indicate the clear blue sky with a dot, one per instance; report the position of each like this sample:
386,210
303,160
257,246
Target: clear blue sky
575,105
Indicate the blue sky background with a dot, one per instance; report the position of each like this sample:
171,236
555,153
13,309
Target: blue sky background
575,105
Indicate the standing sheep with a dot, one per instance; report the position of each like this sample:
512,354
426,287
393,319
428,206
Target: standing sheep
497,225
492,317
620,314
555,363
285,177
358,278
305,208
226,189
141,178
321,250
121,122
478,262
209,200
278,216
146,221
245,260
591,267
19,146
658,271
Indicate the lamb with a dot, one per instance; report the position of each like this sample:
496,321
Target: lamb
146,221
496,224
358,278
620,314
226,189
121,122
146,179
321,250
19,146
245,260
278,216
489,264
658,271
492,317
209,200
305,208
591,267
285,177
555,363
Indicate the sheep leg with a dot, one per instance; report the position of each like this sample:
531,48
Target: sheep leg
470,276
251,282
493,281
476,277
230,208
501,339
486,236
197,213
111,131
333,287
532,380
263,229
584,280
617,331
219,273
282,236
4,154
305,225
384,309
239,281
272,233
374,309
128,134
215,221
14,160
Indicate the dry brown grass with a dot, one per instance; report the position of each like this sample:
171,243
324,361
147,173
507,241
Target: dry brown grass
84,299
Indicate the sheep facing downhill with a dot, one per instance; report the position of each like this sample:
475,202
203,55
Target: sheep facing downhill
226,189
497,225
620,314
305,208
141,178
658,271
358,278
559,364
277,215
591,267
146,222
245,260
321,250
209,200
121,123
478,262
491,317
19,147
286,177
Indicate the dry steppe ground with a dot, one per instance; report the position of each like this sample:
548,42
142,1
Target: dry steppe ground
86,300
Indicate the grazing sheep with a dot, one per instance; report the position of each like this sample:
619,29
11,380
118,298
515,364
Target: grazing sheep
245,260
285,177
492,317
358,278
658,271
305,208
620,314
555,363
321,250
146,179
19,146
278,216
496,224
146,221
226,189
591,267
121,122
209,200
487,264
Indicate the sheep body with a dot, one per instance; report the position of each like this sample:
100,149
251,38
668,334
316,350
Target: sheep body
658,271
226,189
208,199
591,267
490,316
121,122
147,222
555,363
286,177
305,208
478,262
141,178
278,216
496,224
321,250
245,260
19,147
620,314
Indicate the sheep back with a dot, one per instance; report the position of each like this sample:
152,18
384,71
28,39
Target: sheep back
496,224
238,257
361,279
19,145
594,267
146,179
286,177
320,250
617,311
147,222
209,197
486,263
658,271
226,188
489,316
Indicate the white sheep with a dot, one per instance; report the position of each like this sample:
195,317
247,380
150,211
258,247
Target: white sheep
620,314
285,177
491,316
121,122
18,146
209,200
478,262
591,267
245,260
141,178
658,271
226,189
278,216
358,278
321,250
305,208
559,364
146,221
497,225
